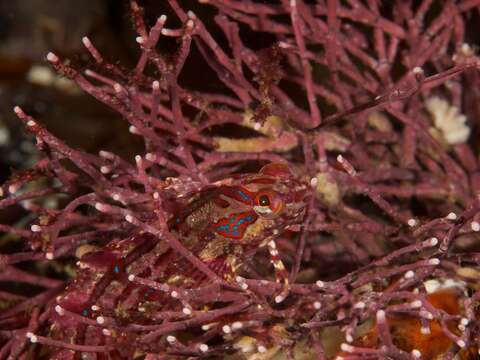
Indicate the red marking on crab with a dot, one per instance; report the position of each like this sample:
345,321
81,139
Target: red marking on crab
266,181
235,225
238,193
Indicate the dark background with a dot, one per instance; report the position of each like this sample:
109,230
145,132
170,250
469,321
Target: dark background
29,29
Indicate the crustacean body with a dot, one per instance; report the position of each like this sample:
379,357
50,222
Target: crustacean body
218,225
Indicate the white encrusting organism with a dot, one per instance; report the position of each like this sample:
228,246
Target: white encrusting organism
448,120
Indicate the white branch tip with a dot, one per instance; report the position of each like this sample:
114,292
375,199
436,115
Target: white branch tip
347,348
51,57
412,222
417,70
416,353
171,339
261,349
33,338
86,42
226,329
475,226
187,311
381,316
18,110
117,87
452,216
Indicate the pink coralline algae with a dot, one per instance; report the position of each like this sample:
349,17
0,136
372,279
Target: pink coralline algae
323,198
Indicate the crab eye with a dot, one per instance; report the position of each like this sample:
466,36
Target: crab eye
264,200
268,203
